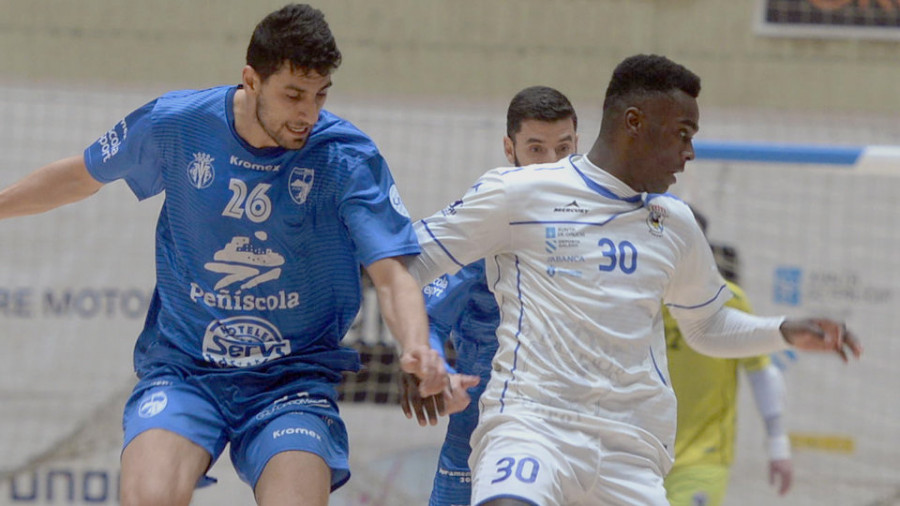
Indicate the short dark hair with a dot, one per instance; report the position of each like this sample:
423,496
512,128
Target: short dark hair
538,102
296,33
648,73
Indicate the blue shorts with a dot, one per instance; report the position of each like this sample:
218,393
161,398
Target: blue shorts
261,413
453,479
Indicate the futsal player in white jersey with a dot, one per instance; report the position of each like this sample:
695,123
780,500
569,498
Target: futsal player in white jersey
271,205
541,127
580,254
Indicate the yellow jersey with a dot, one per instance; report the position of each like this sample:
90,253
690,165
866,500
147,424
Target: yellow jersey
706,390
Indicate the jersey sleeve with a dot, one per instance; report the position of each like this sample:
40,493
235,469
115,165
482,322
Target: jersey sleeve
740,301
446,300
128,151
474,227
696,290
375,215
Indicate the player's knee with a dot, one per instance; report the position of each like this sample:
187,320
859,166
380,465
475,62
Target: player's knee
149,492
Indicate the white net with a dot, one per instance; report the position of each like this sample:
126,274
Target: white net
74,286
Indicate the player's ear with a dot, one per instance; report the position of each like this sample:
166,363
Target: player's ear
634,119
509,148
575,146
250,78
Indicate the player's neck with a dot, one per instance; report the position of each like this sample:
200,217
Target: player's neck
246,123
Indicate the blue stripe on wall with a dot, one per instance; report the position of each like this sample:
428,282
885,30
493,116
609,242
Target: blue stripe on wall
774,153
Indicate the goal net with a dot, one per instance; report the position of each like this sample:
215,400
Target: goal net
809,238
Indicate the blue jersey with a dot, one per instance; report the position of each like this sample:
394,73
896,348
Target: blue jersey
462,307
258,250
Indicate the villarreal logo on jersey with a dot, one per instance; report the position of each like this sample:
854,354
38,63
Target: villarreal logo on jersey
200,170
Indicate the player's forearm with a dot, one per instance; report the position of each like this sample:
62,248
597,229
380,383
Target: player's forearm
403,310
730,333
62,182
769,394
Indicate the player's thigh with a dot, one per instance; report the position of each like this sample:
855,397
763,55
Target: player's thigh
161,467
172,435
294,478
320,433
512,464
626,475
697,485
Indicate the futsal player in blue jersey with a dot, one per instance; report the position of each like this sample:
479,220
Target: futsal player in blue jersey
271,205
540,128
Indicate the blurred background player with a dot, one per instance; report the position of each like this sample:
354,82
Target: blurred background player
540,128
706,390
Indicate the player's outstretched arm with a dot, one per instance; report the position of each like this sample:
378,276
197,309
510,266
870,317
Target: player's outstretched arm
403,310
59,183
821,334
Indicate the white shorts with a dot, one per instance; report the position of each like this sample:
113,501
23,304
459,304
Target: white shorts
544,461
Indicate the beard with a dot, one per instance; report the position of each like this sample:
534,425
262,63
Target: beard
281,135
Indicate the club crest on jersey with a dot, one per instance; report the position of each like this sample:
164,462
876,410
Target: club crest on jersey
301,182
200,171
655,219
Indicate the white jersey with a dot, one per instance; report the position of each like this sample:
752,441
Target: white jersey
580,264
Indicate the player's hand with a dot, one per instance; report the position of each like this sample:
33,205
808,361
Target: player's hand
781,474
425,409
456,398
821,334
427,365
453,399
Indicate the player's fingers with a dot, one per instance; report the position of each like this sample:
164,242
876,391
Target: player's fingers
404,395
419,408
431,409
785,483
852,343
440,404
468,381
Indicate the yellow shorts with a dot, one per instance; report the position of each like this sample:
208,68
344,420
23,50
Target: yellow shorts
697,485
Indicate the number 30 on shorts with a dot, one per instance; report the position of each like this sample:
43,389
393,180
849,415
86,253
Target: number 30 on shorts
525,469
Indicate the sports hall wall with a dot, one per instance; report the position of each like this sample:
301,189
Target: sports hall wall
462,48
430,80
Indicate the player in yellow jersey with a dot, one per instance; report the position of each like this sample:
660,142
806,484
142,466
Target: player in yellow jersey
706,389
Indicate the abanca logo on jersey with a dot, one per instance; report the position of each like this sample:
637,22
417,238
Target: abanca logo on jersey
200,171
243,341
